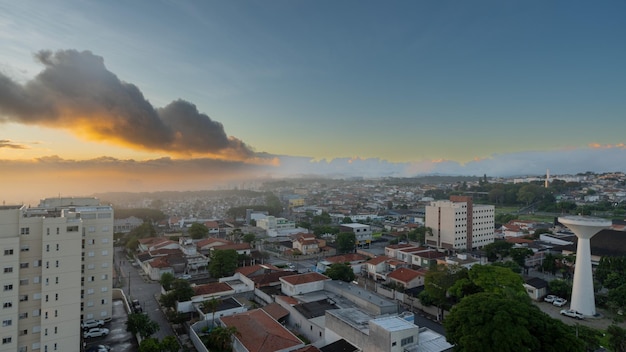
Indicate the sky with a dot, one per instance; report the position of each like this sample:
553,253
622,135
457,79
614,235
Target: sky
179,95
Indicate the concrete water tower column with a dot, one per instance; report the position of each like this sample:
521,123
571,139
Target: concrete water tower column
584,228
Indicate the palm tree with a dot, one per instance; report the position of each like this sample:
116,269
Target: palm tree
211,305
221,337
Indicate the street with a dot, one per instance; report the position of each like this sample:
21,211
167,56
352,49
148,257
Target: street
139,287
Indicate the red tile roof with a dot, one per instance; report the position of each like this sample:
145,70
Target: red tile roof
378,260
275,310
211,240
258,332
351,257
287,299
235,246
404,274
211,288
300,279
249,270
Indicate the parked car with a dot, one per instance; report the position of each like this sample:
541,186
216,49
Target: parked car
136,306
185,276
92,323
550,298
95,332
573,313
559,302
98,348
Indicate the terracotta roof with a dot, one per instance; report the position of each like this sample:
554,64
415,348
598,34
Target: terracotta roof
235,246
378,260
402,245
270,279
404,274
211,240
351,257
518,240
300,279
287,299
262,268
258,332
275,310
159,262
211,224
153,240
308,348
211,288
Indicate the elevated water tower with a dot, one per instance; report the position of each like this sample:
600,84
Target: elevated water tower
584,228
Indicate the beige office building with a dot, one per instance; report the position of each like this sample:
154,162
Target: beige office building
459,224
56,261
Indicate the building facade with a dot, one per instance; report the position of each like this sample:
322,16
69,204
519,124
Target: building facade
458,223
57,267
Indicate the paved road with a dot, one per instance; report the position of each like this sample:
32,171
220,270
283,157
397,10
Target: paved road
144,290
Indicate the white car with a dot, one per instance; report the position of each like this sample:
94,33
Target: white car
98,348
573,314
95,332
559,302
185,276
550,298
92,323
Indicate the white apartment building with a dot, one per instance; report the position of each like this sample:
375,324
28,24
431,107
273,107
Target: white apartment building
362,233
459,224
57,261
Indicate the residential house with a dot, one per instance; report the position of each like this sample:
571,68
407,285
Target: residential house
355,260
302,283
407,278
259,332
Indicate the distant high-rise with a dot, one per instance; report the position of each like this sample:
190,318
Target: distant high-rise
57,270
547,182
458,223
584,227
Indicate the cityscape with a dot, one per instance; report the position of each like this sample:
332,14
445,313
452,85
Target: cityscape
312,176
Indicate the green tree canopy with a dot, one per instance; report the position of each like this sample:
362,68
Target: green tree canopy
490,279
340,271
198,231
617,338
223,263
167,279
497,250
560,288
346,242
139,323
491,322
249,238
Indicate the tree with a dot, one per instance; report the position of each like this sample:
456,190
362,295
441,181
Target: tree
346,242
617,297
221,337
141,324
170,344
340,271
617,338
211,305
490,279
346,220
492,322
438,280
223,263
198,231
519,255
249,238
167,279
497,250
150,345
560,288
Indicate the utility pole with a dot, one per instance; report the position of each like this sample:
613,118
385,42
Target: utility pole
129,284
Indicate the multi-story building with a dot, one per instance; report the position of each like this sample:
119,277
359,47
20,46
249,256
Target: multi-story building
57,265
458,223
362,233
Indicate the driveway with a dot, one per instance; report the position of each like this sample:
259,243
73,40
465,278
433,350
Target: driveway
601,322
119,339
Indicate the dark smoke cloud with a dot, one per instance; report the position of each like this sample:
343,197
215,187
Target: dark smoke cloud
77,92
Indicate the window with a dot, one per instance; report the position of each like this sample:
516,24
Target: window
23,265
7,305
47,265
105,276
57,247
24,248
406,341
47,248
8,251
8,269
36,296
48,231
23,315
8,287
90,253
23,298
57,230
105,252
7,322
6,340
56,296
23,282
105,240
25,231
36,312
56,280
37,263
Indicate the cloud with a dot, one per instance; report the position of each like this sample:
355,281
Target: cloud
6,143
567,161
76,92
